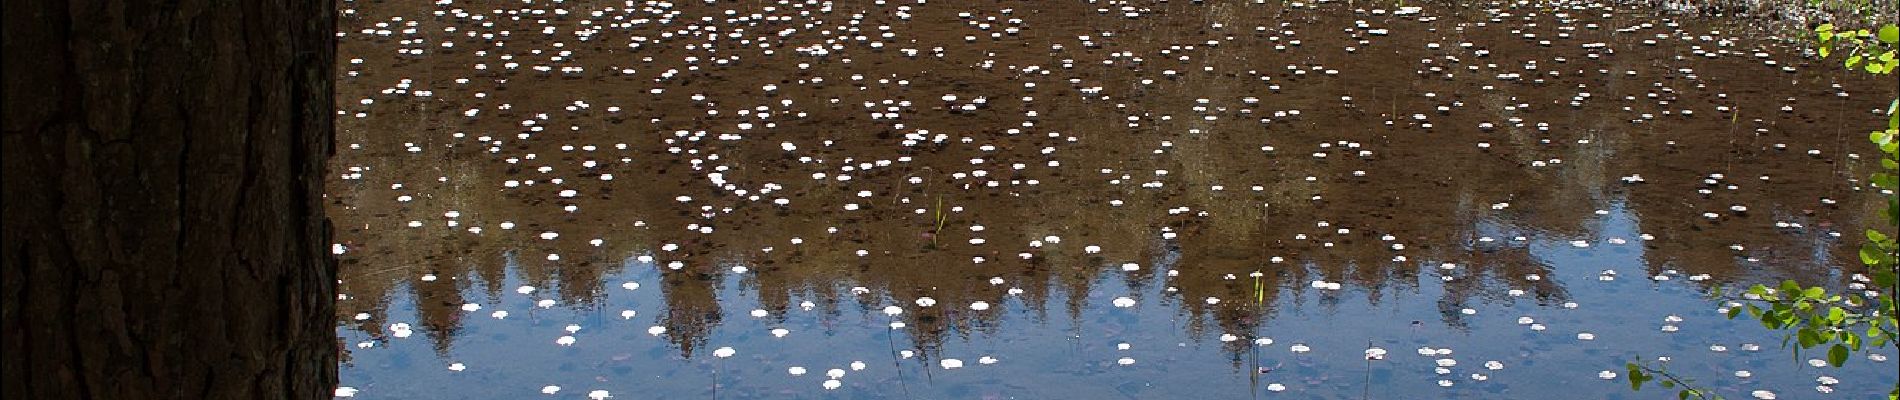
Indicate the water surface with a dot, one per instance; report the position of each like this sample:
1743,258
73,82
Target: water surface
1082,200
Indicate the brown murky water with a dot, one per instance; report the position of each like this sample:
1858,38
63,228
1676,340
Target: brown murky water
1045,182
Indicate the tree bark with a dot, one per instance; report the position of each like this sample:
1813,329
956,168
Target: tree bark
163,227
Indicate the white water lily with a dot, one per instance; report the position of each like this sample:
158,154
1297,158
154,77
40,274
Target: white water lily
1375,354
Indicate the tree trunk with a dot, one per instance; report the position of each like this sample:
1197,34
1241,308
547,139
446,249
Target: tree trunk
164,233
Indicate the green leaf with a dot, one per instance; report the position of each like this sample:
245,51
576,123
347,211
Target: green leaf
1837,355
1853,61
1835,315
1814,292
1890,34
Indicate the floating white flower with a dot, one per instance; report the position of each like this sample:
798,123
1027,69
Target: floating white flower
1375,354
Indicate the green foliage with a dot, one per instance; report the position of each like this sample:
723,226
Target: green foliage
1640,374
1811,317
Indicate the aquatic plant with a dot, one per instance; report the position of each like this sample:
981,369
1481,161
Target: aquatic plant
1863,316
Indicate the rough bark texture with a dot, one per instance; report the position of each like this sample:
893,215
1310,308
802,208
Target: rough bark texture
164,234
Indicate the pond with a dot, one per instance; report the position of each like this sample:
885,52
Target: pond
1083,199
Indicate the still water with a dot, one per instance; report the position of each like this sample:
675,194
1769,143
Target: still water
1083,200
